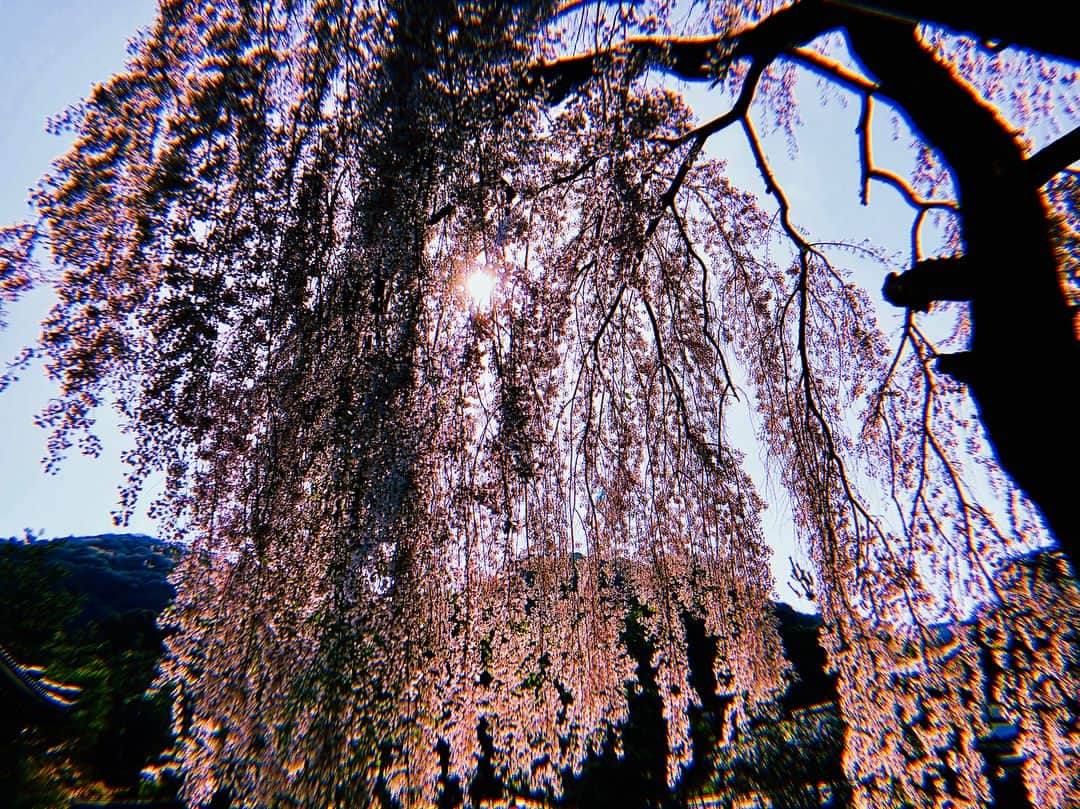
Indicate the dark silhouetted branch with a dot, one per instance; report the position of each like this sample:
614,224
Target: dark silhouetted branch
936,279
1023,359
998,24
1051,159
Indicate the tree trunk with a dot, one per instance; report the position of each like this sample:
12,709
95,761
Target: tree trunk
1022,369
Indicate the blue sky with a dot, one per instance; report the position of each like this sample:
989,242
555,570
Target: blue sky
51,52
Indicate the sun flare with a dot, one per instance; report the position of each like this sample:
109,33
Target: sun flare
480,286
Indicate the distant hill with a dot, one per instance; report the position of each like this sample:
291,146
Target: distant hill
112,574
85,609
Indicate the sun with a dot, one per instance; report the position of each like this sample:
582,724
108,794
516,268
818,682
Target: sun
480,286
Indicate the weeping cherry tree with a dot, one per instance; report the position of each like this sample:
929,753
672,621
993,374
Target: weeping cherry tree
434,315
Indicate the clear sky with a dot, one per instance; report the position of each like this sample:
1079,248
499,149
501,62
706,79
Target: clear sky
52,51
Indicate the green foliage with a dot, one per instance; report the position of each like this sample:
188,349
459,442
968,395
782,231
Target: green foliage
792,759
85,609
37,610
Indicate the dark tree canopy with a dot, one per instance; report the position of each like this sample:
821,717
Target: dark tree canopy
435,315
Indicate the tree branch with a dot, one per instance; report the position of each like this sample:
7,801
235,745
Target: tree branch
696,58
832,70
998,24
691,58
937,279
1054,157
1020,318
739,109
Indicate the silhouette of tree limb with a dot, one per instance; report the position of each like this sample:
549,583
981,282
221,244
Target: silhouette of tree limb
1052,158
1020,316
997,25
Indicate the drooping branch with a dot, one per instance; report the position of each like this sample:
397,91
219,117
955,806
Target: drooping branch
1004,220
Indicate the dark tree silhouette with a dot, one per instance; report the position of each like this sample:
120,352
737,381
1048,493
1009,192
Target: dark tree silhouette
434,315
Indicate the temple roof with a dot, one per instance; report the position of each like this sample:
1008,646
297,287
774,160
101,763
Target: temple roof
29,689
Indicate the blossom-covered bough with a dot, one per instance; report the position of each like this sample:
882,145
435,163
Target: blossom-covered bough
413,515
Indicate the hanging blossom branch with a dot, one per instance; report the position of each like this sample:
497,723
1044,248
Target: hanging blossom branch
812,399
689,59
666,202
739,113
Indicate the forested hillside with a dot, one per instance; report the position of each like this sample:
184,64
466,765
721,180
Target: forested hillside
84,608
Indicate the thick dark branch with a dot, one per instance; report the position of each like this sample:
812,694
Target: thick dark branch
687,59
1040,28
1023,360
1051,159
691,58
1005,223
832,70
738,110
937,279
697,58
931,96
961,366
1021,320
